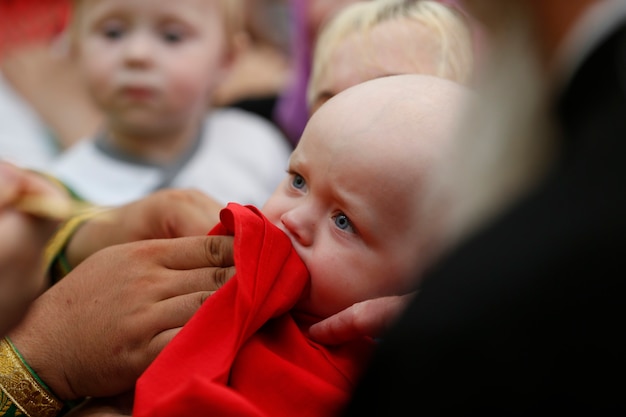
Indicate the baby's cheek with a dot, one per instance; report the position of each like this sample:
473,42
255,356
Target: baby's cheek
330,291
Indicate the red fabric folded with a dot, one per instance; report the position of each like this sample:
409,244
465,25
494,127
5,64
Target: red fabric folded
243,353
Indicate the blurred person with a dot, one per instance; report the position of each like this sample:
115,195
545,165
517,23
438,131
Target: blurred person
388,37
25,140
152,67
39,118
307,18
262,68
25,236
523,314
63,107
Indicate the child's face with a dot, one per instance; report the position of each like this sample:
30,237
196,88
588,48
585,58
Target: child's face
151,64
400,46
350,203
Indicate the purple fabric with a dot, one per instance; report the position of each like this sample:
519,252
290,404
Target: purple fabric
291,112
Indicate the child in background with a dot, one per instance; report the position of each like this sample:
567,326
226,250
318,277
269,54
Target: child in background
262,70
347,224
306,18
387,37
152,66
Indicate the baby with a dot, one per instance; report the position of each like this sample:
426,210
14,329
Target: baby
347,224
153,68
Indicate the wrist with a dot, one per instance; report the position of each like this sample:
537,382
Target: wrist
21,389
62,253
85,239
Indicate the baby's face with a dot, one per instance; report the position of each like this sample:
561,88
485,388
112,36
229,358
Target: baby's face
349,205
400,46
151,64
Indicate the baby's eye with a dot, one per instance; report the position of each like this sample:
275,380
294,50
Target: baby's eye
113,30
298,182
343,222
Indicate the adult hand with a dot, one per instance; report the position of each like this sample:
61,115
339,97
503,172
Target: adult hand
118,406
163,214
23,239
367,318
95,331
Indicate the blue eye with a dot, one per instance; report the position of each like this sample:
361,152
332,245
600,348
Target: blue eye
298,182
343,222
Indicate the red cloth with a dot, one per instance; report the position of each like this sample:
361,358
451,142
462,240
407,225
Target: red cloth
30,21
242,353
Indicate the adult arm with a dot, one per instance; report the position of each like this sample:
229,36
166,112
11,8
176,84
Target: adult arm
367,318
95,331
23,240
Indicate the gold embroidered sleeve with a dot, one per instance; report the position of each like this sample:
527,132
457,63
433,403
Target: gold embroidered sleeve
22,393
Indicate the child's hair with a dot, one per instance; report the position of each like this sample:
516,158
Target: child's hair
456,55
232,12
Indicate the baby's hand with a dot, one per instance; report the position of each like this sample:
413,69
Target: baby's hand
367,318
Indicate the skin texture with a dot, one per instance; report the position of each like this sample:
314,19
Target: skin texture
163,214
367,318
152,67
23,239
352,202
96,330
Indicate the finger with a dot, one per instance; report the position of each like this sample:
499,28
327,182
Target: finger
367,318
158,342
193,213
176,311
176,283
336,329
9,183
197,252
171,316
201,215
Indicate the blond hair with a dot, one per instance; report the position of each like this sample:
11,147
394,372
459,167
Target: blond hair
232,13
454,61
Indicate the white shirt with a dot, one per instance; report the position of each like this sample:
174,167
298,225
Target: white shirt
24,139
241,157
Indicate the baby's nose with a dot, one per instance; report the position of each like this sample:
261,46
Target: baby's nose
298,227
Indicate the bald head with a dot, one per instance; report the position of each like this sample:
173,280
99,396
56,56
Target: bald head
405,118
386,140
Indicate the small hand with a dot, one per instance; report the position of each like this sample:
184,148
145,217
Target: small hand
367,318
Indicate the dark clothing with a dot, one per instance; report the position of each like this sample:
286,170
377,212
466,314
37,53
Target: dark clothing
527,317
